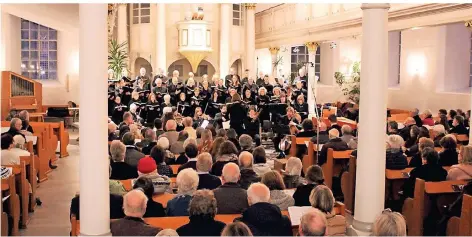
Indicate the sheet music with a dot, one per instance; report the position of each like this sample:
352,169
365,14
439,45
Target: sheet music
296,213
205,124
226,125
5,198
5,129
31,138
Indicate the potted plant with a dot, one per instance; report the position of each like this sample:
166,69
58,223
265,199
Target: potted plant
117,57
350,85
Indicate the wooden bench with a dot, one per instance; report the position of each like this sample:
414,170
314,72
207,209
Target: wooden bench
462,138
348,185
330,168
9,188
417,208
62,136
399,118
175,169
22,186
462,226
297,141
161,198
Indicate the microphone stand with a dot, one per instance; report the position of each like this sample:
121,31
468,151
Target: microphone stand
317,115
257,70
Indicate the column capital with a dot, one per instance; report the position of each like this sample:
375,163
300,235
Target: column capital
468,24
249,6
122,4
274,50
312,46
366,6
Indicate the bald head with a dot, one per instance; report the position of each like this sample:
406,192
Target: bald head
258,192
245,160
323,127
230,173
171,125
313,223
409,121
135,203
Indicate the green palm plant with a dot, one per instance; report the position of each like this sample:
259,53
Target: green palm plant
117,57
350,88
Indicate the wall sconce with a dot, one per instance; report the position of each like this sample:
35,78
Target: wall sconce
416,64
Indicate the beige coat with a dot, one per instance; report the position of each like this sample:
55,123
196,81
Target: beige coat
460,172
336,225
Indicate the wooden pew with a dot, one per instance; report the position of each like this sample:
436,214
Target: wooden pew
161,198
9,187
417,208
297,141
399,118
330,166
4,216
31,177
175,169
462,226
348,185
62,136
462,138
19,171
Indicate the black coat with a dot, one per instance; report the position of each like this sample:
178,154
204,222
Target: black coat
448,157
208,181
190,164
123,171
337,127
396,160
248,176
427,172
459,129
265,219
336,143
324,137
116,206
154,209
201,225
132,226
302,194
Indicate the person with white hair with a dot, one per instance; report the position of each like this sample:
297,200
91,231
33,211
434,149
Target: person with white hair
346,132
396,160
335,143
7,155
134,206
230,197
171,133
389,223
187,183
19,146
439,133
324,137
120,169
262,99
190,87
427,117
262,217
168,233
248,175
313,223
206,180
293,171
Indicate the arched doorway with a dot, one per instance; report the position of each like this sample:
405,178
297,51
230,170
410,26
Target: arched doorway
238,66
141,62
183,66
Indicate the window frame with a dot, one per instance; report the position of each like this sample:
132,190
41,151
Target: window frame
239,20
306,55
137,13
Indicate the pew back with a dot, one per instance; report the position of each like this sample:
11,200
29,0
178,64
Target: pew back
330,166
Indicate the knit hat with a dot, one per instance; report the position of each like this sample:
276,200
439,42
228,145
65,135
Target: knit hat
146,165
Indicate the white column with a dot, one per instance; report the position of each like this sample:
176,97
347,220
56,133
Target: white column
161,38
250,37
312,81
468,24
370,179
225,27
94,164
273,54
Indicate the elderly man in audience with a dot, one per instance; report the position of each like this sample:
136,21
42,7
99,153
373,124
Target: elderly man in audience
273,180
396,160
427,118
120,169
313,223
15,128
148,142
202,212
260,162
322,199
405,131
416,160
206,180
168,233
153,208
262,217
127,120
159,155
25,126
8,156
132,155
191,152
245,141
458,126
389,223
324,137
230,197
112,132
292,175
439,132
334,123
171,134
348,136
335,143
187,183
463,170
19,146
147,168
227,153
134,206
192,133
314,177
248,176
448,156
236,229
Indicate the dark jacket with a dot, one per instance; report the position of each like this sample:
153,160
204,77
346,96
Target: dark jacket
405,132
164,169
427,172
132,226
217,168
190,164
147,148
178,206
265,219
395,160
248,176
437,139
310,133
324,137
293,181
337,127
154,209
201,225
302,194
133,156
336,143
122,171
459,129
208,181
448,157
112,136
116,206
231,198
416,160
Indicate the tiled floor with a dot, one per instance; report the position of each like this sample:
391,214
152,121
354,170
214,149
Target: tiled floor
52,218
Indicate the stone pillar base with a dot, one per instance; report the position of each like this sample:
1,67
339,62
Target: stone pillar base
106,234
359,228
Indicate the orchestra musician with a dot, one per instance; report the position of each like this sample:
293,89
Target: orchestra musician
198,117
301,107
221,117
237,113
252,125
285,126
262,100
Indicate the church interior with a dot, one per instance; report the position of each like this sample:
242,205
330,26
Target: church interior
236,119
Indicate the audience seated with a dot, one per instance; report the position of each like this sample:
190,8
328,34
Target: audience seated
127,120
389,224
115,186
8,156
248,176
448,156
230,197
236,229
429,171
203,167
159,155
133,129
168,233
262,217
202,211
206,141
215,147
416,160
245,141
322,199
260,162
188,122
147,167
333,120
324,137
405,131
392,128
443,121
112,132
227,153
158,127
412,137
178,148
233,137
187,183
134,206
122,131
15,128
221,133
396,160
153,209
292,175
314,177
171,134
463,170
348,137
25,126
273,180
428,118
116,206
191,152
19,146
440,132
120,169
148,142
313,223
307,126
335,143
458,126
132,155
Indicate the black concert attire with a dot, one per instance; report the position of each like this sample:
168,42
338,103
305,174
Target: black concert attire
183,108
262,101
237,112
269,88
252,127
154,111
296,92
117,114
126,91
160,92
111,102
302,109
189,92
282,128
253,87
219,119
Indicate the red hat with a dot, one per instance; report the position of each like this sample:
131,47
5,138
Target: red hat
146,165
